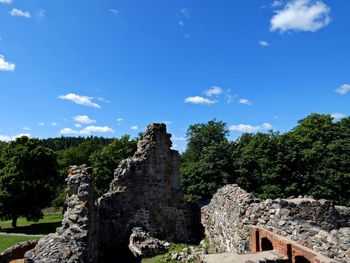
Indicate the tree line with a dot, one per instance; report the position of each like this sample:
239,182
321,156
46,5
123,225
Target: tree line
311,159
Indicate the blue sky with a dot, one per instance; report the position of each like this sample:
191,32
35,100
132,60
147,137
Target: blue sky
109,68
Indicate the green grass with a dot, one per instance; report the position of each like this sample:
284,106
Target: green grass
7,241
47,225
165,257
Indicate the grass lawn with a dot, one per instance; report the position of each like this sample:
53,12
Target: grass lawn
7,241
47,225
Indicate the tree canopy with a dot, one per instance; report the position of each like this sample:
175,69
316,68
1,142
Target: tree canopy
311,159
28,176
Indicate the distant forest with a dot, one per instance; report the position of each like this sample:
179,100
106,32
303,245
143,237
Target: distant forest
312,159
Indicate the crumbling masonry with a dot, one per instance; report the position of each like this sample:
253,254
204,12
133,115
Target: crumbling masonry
144,208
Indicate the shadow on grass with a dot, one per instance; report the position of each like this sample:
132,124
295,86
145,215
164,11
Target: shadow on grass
34,229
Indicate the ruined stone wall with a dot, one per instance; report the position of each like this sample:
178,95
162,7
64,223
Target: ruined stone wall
145,193
71,242
314,224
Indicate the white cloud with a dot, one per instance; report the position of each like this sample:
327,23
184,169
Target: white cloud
77,125
88,130
18,12
267,126
199,100
100,129
41,13
301,15
343,89
276,3
5,1
229,96
338,116
26,129
7,138
263,43
181,138
41,123
120,119
214,91
103,100
79,99
68,131
249,128
245,102
134,127
54,124
83,119
115,12
185,12
6,66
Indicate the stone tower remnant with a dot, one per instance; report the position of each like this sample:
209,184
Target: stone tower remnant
145,193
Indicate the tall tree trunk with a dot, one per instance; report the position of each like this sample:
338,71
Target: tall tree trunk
14,221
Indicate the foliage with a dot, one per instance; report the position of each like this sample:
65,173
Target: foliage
311,159
107,159
206,163
28,177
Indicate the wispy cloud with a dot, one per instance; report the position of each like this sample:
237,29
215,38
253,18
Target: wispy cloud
263,43
20,13
5,65
301,15
7,138
185,12
228,96
338,116
276,3
79,99
78,125
245,102
215,90
249,128
5,1
181,138
103,100
54,124
343,89
41,123
88,130
41,13
199,100
26,129
134,127
83,119
115,12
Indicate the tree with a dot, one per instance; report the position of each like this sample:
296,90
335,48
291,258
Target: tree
28,177
206,164
107,159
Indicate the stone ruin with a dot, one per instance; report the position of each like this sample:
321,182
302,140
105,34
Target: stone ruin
144,208
144,193
234,218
